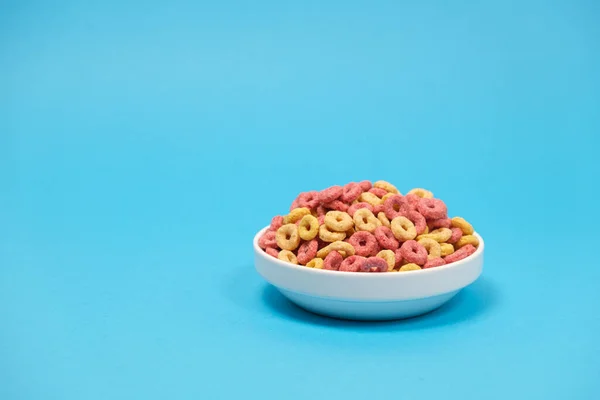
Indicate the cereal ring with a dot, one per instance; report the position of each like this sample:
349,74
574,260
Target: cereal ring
295,215
386,238
456,234
309,199
364,220
465,227
426,231
413,252
387,196
357,206
328,236
377,209
308,228
370,198
321,219
447,249
337,205
409,267
350,231
433,208
434,262
364,243
339,246
433,248
307,251
351,192
374,264
338,221
333,261
461,253
378,192
287,237
288,256
440,235
394,206
388,187
330,194
412,201
399,259
418,220
467,239
352,263
365,185
389,257
403,229
294,205
321,211
276,223
267,240
272,252
383,219
439,223
316,263
422,193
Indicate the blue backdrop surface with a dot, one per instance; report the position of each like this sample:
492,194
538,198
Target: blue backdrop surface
142,145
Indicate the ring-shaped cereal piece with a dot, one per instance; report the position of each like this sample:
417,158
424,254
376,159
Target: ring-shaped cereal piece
386,238
440,235
364,243
295,215
276,223
394,206
329,236
456,234
370,198
316,263
267,240
399,259
387,196
434,250
351,192
338,221
422,193
365,185
413,252
461,253
350,231
426,231
447,249
336,205
374,264
388,187
308,228
412,202
433,208
465,227
287,237
403,229
467,239
439,223
409,267
294,205
378,192
333,261
389,257
357,206
307,251
383,219
339,246
330,194
434,262
288,256
352,264
418,220
273,252
309,199
364,220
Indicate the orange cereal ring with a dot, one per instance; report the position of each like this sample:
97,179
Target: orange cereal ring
388,187
288,256
465,227
308,228
328,236
403,229
364,220
287,237
434,250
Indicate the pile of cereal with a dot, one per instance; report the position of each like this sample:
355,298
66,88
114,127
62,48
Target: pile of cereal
365,227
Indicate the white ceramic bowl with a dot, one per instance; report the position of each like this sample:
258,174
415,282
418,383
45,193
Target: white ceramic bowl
368,296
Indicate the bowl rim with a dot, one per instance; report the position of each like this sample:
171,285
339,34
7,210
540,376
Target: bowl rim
259,251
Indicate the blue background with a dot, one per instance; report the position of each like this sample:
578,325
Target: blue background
143,144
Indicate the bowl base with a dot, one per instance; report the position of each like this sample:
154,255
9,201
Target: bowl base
367,310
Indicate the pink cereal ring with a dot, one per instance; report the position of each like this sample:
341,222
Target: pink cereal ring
337,205
394,206
374,264
439,223
456,235
294,205
351,192
333,261
379,192
273,252
309,200
321,219
432,208
377,209
413,252
461,253
352,263
330,194
364,243
385,238
418,220
307,251
365,185
398,254
267,240
434,262
276,223
321,211
358,206
412,201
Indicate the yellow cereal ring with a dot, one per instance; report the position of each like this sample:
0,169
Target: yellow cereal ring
351,231
463,225
316,263
295,215
328,236
433,248
423,193
364,220
409,267
308,228
447,249
344,248
383,219
370,198
338,221
467,239
440,235
403,229
388,187
286,255
426,231
389,257
387,196
287,237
